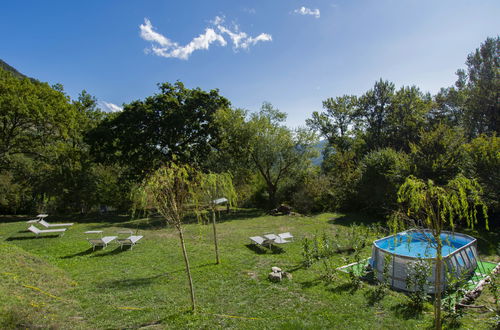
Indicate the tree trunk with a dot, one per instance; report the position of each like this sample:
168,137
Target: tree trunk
272,196
188,270
217,260
437,283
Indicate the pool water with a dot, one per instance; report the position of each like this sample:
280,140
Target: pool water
421,245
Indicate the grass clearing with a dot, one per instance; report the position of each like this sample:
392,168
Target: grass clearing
147,286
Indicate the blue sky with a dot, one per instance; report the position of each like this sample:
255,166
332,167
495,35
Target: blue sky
293,54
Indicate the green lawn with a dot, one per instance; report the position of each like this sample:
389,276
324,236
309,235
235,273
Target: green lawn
61,282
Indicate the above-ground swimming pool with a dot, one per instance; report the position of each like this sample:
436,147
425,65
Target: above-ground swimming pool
459,256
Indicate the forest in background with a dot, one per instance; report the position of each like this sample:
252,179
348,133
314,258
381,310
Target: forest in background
63,155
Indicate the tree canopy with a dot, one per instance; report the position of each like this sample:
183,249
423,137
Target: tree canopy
176,122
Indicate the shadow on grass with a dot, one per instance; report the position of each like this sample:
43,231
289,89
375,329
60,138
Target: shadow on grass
118,250
79,254
224,216
240,215
134,225
311,283
260,250
354,218
407,311
131,282
21,238
375,295
297,267
344,287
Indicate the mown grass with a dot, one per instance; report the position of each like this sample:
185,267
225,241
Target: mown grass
147,286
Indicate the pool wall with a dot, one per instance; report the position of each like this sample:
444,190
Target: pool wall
461,261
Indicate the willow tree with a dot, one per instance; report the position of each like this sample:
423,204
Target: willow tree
437,207
212,187
170,190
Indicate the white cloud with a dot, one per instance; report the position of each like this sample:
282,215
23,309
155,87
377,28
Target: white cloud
111,107
148,34
307,11
240,39
162,46
203,41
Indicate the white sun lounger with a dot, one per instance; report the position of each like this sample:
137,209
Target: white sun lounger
37,231
276,239
258,240
131,241
103,241
38,218
48,225
286,235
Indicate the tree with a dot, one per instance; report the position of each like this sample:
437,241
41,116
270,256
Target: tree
382,172
436,206
483,164
212,187
69,177
170,189
481,87
406,117
32,116
337,122
275,150
374,107
177,122
438,155
447,108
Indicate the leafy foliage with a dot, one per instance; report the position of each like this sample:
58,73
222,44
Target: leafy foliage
176,123
382,172
434,206
416,282
170,190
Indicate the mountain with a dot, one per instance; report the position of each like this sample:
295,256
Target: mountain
4,65
319,146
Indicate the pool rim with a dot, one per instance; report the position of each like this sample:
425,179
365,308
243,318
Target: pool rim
449,255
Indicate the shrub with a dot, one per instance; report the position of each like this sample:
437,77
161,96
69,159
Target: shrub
483,164
416,282
382,172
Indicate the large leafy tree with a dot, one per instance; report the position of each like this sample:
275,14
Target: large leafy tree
262,143
374,107
33,116
36,123
337,123
406,117
483,163
276,151
480,84
438,155
176,122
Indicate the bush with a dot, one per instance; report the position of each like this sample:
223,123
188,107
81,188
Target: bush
343,173
416,282
382,172
312,194
483,164
439,155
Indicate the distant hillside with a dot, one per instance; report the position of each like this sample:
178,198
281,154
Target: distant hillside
4,65
319,146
